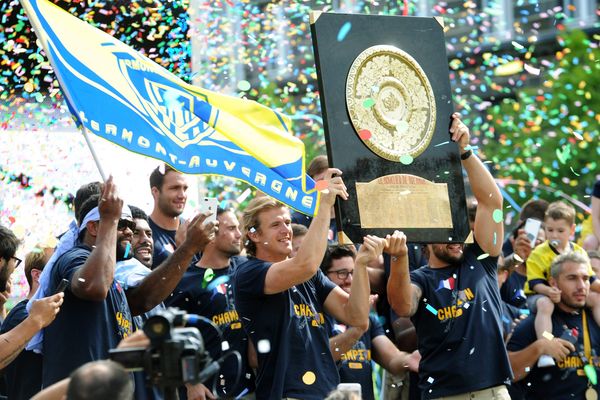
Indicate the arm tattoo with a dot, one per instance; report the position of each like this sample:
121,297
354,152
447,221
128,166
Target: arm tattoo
415,299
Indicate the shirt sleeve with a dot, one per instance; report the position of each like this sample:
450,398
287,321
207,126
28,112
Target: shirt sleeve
67,265
417,278
535,271
323,285
250,277
596,190
472,254
523,335
375,327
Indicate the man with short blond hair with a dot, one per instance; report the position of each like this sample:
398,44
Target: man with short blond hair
282,300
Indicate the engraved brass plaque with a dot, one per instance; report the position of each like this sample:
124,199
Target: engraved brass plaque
413,202
390,102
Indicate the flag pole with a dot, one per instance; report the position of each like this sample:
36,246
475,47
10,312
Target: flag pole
94,155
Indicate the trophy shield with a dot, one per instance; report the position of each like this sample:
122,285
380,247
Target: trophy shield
386,102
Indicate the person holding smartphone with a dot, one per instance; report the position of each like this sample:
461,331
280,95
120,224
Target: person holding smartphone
42,312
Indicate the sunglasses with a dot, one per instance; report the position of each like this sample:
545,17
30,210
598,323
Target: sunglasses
126,223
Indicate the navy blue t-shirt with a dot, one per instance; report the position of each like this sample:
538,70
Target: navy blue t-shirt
355,365
164,243
83,330
215,302
565,380
24,374
512,290
291,324
458,323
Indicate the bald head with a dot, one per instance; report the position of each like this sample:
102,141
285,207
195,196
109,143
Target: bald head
100,380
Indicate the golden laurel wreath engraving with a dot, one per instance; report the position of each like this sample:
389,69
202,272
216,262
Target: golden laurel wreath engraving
390,102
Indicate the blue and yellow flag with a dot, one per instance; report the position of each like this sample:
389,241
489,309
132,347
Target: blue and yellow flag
123,96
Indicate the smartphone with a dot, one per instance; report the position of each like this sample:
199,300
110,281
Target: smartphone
62,286
532,229
209,204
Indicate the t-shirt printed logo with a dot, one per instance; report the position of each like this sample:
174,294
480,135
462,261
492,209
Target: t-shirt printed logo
355,357
464,299
446,284
307,311
222,288
123,324
228,318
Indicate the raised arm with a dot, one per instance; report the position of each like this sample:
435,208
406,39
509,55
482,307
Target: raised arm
596,216
386,354
159,284
42,313
353,309
487,232
403,296
93,279
286,274
340,344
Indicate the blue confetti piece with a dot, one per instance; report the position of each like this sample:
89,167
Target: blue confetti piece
216,282
127,250
431,309
344,31
223,204
524,311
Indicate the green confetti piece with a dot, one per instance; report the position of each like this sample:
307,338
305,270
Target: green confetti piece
406,159
402,127
243,86
497,216
368,103
590,372
209,275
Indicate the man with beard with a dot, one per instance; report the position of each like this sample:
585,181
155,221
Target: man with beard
574,342
98,311
96,315
206,290
142,243
169,191
454,301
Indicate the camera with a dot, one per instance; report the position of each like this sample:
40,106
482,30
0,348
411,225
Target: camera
176,354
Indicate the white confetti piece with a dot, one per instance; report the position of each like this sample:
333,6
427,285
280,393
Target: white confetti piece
263,346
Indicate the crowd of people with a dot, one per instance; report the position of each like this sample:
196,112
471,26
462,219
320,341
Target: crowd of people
482,320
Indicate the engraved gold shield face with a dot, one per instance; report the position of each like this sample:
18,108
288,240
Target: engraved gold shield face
390,102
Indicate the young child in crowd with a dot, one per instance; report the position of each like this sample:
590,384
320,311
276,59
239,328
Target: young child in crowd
559,223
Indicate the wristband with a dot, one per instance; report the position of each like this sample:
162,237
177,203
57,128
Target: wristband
466,155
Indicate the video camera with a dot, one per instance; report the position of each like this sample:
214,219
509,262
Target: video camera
176,355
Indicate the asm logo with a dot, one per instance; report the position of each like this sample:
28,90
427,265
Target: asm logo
182,116
172,109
